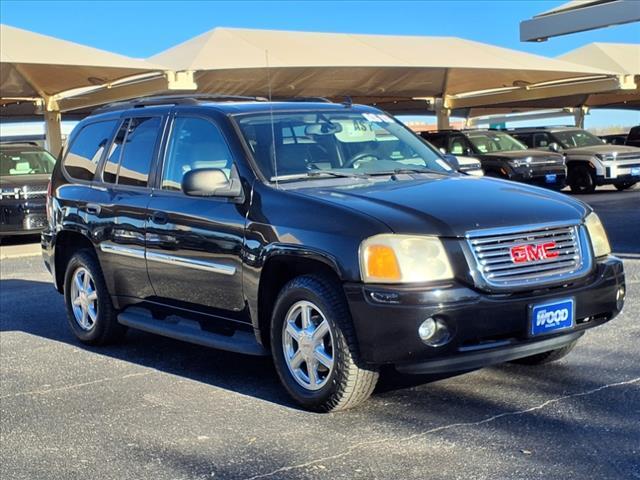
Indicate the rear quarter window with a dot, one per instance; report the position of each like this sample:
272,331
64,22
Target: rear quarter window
81,160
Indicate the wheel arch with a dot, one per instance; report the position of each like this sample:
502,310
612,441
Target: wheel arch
67,243
280,265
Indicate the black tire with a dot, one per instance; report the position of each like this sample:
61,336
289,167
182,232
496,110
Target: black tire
105,328
547,357
582,179
350,382
624,186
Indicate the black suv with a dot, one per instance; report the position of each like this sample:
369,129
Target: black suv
25,169
590,161
502,156
328,236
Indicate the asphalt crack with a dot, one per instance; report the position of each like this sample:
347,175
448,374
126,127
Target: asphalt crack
451,426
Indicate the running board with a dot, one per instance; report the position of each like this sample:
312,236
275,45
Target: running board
190,331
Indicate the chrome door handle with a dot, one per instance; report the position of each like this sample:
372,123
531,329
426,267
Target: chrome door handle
93,208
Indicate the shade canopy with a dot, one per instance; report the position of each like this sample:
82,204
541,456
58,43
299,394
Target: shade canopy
34,65
234,61
618,57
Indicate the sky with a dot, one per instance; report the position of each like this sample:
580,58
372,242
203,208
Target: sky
144,28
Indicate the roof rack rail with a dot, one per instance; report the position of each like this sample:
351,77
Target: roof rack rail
302,99
156,100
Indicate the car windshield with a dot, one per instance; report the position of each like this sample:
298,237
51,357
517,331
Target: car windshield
577,139
28,161
312,144
488,142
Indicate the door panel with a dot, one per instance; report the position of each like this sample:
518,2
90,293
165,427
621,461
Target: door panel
194,244
120,206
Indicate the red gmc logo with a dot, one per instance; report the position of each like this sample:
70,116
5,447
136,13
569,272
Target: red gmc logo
533,252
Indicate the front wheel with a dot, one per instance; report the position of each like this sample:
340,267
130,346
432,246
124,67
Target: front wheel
624,186
582,179
314,347
547,357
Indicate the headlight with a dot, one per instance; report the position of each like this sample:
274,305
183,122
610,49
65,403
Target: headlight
599,240
607,157
521,162
391,258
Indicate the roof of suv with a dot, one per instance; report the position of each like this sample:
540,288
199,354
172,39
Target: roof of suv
542,129
228,104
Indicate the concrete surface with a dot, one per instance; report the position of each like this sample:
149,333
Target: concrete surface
157,408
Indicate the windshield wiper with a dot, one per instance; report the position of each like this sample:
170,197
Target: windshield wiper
316,173
398,171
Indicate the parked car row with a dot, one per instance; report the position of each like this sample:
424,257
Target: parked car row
25,169
546,156
632,138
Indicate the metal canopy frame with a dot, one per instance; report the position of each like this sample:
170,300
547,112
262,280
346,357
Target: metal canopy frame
579,16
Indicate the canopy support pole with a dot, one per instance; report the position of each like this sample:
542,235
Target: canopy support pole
52,126
442,114
579,114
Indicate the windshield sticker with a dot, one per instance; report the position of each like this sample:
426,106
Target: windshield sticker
355,130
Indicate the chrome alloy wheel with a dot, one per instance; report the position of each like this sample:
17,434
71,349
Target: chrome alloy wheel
84,299
307,343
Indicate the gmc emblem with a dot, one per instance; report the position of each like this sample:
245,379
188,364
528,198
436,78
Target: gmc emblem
533,252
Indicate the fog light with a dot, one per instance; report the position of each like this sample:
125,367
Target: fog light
434,332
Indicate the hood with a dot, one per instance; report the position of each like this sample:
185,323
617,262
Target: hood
20,181
514,154
452,205
604,149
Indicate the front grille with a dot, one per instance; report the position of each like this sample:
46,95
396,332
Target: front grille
547,161
496,266
628,156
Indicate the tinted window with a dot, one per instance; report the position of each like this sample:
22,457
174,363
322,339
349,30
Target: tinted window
194,143
457,145
541,140
27,161
287,146
110,173
577,139
85,151
488,142
137,153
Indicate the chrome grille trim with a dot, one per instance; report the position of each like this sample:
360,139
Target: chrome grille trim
493,268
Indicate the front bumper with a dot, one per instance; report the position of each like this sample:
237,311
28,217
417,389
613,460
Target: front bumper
486,328
540,175
22,217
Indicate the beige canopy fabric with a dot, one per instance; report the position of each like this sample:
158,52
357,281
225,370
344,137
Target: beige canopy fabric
34,65
623,59
234,61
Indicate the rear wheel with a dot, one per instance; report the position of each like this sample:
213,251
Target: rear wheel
625,185
90,313
314,347
547,357
582,179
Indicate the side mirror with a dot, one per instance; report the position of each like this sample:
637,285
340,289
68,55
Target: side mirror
211,182
554,147
452,160
467,152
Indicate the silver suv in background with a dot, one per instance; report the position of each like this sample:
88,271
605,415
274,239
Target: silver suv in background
590,161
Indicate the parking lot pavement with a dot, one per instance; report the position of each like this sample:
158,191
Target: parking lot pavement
162,409
620,213
157,408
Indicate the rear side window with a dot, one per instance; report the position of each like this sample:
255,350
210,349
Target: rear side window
131,153
86,150
137,155
194,143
